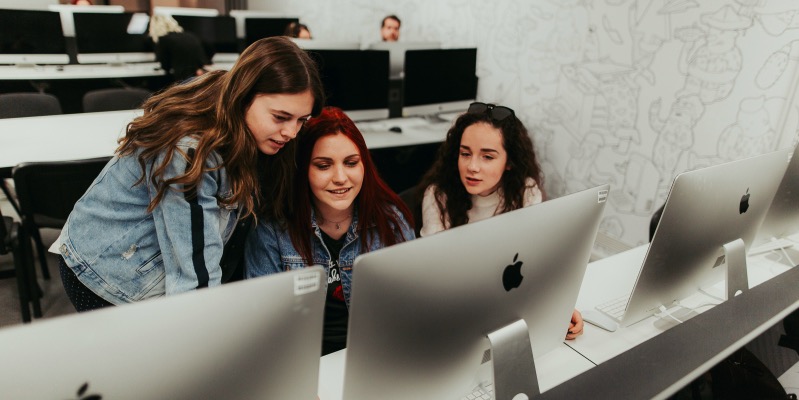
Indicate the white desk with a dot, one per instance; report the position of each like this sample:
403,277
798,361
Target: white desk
89,135
79,71
615,276
554,368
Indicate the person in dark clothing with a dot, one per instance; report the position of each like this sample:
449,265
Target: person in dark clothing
180,53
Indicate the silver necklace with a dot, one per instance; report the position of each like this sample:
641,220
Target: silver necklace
336,223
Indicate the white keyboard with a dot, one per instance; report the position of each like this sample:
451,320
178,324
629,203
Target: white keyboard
483,392
614,307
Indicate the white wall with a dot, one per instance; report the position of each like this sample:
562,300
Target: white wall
27,4
630,92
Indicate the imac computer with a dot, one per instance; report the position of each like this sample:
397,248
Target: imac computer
316,44
218,35
262,27
30,37
439,81
396,51
254,339
112,38
191,11
355,81
708,223
433,317
66,11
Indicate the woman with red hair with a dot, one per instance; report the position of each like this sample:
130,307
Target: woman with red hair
341,209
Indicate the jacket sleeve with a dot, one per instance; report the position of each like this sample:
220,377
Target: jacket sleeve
188,228
431,216
262,252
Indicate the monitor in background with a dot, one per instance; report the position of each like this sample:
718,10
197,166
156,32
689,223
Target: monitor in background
782,218
30,37
355,81
218,343
112,38
193,11
261,27
66,11
316,44
707,210
438,81
421,311
218,35
396,51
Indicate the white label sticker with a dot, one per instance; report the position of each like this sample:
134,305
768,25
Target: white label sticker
602,196
305,283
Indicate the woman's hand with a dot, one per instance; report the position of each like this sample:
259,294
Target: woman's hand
575,326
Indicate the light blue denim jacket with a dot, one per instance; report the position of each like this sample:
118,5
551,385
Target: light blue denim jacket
125,254
269,250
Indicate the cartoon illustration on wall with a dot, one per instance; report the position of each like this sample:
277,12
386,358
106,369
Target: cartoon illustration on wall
675,133
775,16
754,131
710,58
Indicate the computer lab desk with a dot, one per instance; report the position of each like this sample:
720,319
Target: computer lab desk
89,135
79,71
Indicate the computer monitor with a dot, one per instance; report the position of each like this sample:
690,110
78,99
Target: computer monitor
31,37
396,51
439,81
261,27
192,11
218,35
316,44
355,81
255,339
112,38
710,219
782,218
421,311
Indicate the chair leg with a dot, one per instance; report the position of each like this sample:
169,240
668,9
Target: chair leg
21,267
29,266
37,238
11,199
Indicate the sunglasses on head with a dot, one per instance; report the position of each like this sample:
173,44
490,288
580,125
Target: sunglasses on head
496,112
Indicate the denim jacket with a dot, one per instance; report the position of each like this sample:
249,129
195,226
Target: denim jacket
124,253
269,250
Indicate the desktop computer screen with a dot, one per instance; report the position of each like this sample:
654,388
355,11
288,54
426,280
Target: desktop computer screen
255,339
217,33
397,53
258,28
355,81
31,37
112,38
422,310
439,81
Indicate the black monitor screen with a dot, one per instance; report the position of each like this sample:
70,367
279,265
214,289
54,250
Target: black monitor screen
354,79
108,33
259,28
439,76
31,32
219,33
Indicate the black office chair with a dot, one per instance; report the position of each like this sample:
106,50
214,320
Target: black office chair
413,201
114,99
48,191
23,104
23,267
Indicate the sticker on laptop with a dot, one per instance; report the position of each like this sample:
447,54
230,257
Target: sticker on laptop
306,282
602,196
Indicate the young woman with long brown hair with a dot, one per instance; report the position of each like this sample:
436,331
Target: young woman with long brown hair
205,155
342,209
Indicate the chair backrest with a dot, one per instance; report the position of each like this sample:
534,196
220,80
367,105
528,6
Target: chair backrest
23,104
114,99
47,191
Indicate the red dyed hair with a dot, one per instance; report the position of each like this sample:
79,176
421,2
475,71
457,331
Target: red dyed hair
376,203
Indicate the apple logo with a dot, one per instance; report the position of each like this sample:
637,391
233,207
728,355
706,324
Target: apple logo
512,276
744,202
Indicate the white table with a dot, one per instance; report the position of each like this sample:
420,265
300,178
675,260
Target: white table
79,71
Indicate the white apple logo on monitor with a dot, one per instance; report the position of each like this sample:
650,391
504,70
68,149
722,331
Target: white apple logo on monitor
512,276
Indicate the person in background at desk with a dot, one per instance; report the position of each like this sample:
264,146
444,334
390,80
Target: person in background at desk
158,219
485,167
342,209
297,30
180,53
389,29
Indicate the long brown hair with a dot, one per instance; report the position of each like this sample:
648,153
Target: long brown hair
376,203
452,199
212,109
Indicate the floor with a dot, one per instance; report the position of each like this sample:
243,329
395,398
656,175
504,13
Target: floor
54,301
